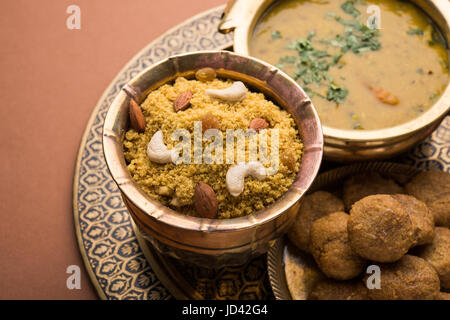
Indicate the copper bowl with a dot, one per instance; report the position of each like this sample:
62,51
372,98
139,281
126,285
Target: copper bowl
213,242
241,16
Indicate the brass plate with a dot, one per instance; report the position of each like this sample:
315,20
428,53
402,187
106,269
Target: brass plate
188,281
113,254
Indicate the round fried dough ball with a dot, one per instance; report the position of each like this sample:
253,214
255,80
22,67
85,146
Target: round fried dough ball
331,249
379,229
421,218
443,296
410,278
328,289
313,207
433,188
438,255
366,184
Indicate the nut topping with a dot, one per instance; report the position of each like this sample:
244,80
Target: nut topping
157,151
205,201
237,173
234,93
137,118
209,121
258,124
205,74
183,101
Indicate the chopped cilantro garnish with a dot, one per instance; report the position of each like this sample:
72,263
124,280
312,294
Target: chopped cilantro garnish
312,93
415,32
288,59
349,7
352,23
312,65
358,39
336,93
276,35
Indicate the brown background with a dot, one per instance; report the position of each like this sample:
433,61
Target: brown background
51,79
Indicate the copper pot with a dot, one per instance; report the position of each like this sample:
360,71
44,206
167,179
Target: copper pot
241,16
213,242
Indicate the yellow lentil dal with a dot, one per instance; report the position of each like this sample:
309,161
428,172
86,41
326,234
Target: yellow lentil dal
410,65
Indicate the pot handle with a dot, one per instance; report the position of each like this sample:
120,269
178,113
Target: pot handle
234,13
227,23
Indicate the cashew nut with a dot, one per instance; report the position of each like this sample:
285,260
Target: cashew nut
157,150
236,92
237,173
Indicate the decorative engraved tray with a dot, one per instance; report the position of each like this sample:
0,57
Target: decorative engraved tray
120,263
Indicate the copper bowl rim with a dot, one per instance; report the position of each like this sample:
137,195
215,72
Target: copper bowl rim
112,148
243,23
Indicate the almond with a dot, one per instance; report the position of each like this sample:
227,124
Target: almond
183,101
205,74
137,118
205,201
258,124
